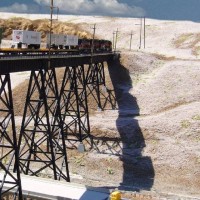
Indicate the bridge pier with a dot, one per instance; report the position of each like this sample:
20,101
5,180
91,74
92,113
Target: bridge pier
41,141
74,107
95,79
8,141
96,86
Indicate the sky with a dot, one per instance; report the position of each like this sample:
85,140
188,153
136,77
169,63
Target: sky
156,9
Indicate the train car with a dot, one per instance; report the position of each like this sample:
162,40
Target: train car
59,41
71,42
97,45
28,43
26,39
84,45
106,46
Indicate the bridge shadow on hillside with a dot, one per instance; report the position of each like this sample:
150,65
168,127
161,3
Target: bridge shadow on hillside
138,171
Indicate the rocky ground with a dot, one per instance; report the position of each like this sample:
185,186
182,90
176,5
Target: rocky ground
151,142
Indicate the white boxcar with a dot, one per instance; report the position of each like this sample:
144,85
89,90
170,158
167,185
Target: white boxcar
62,40
26,37
56,39
71,40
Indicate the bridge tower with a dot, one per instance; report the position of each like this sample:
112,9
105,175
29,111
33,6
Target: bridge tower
42,143
8,141
80,82
96,86
74,107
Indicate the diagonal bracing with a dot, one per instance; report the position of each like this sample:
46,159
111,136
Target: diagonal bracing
42,143
96,86
74,106
8,142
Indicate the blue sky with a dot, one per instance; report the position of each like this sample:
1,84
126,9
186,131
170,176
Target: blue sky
158,9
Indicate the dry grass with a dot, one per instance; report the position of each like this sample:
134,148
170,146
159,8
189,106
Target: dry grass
196,50
41,25
189,41
163,57
182,39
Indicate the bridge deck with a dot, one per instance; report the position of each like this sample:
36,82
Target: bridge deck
43,188
23,63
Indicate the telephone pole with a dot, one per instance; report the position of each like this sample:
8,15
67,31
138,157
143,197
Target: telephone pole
50,27
131,40
116,39
50,30
140,33
51,22
93,36
113,42
144,32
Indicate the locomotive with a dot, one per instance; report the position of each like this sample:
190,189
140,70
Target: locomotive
31,40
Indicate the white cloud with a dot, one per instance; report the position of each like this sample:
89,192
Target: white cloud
95,7
16,7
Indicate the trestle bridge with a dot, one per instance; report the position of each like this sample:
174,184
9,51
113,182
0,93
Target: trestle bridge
51,115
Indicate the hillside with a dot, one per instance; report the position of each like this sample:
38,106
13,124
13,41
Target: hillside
152,141
41,25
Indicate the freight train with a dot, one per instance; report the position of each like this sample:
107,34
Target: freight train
30,41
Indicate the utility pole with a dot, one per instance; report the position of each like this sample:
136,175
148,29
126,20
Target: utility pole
57,12
113,43
51,23
50,27
140,33
144,32
50,30
116,39
94,30
131,40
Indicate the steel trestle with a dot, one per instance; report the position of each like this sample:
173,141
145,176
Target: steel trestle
74,105
96,86
42,143
8,141
50,118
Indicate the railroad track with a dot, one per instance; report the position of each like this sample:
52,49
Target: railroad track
24,54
